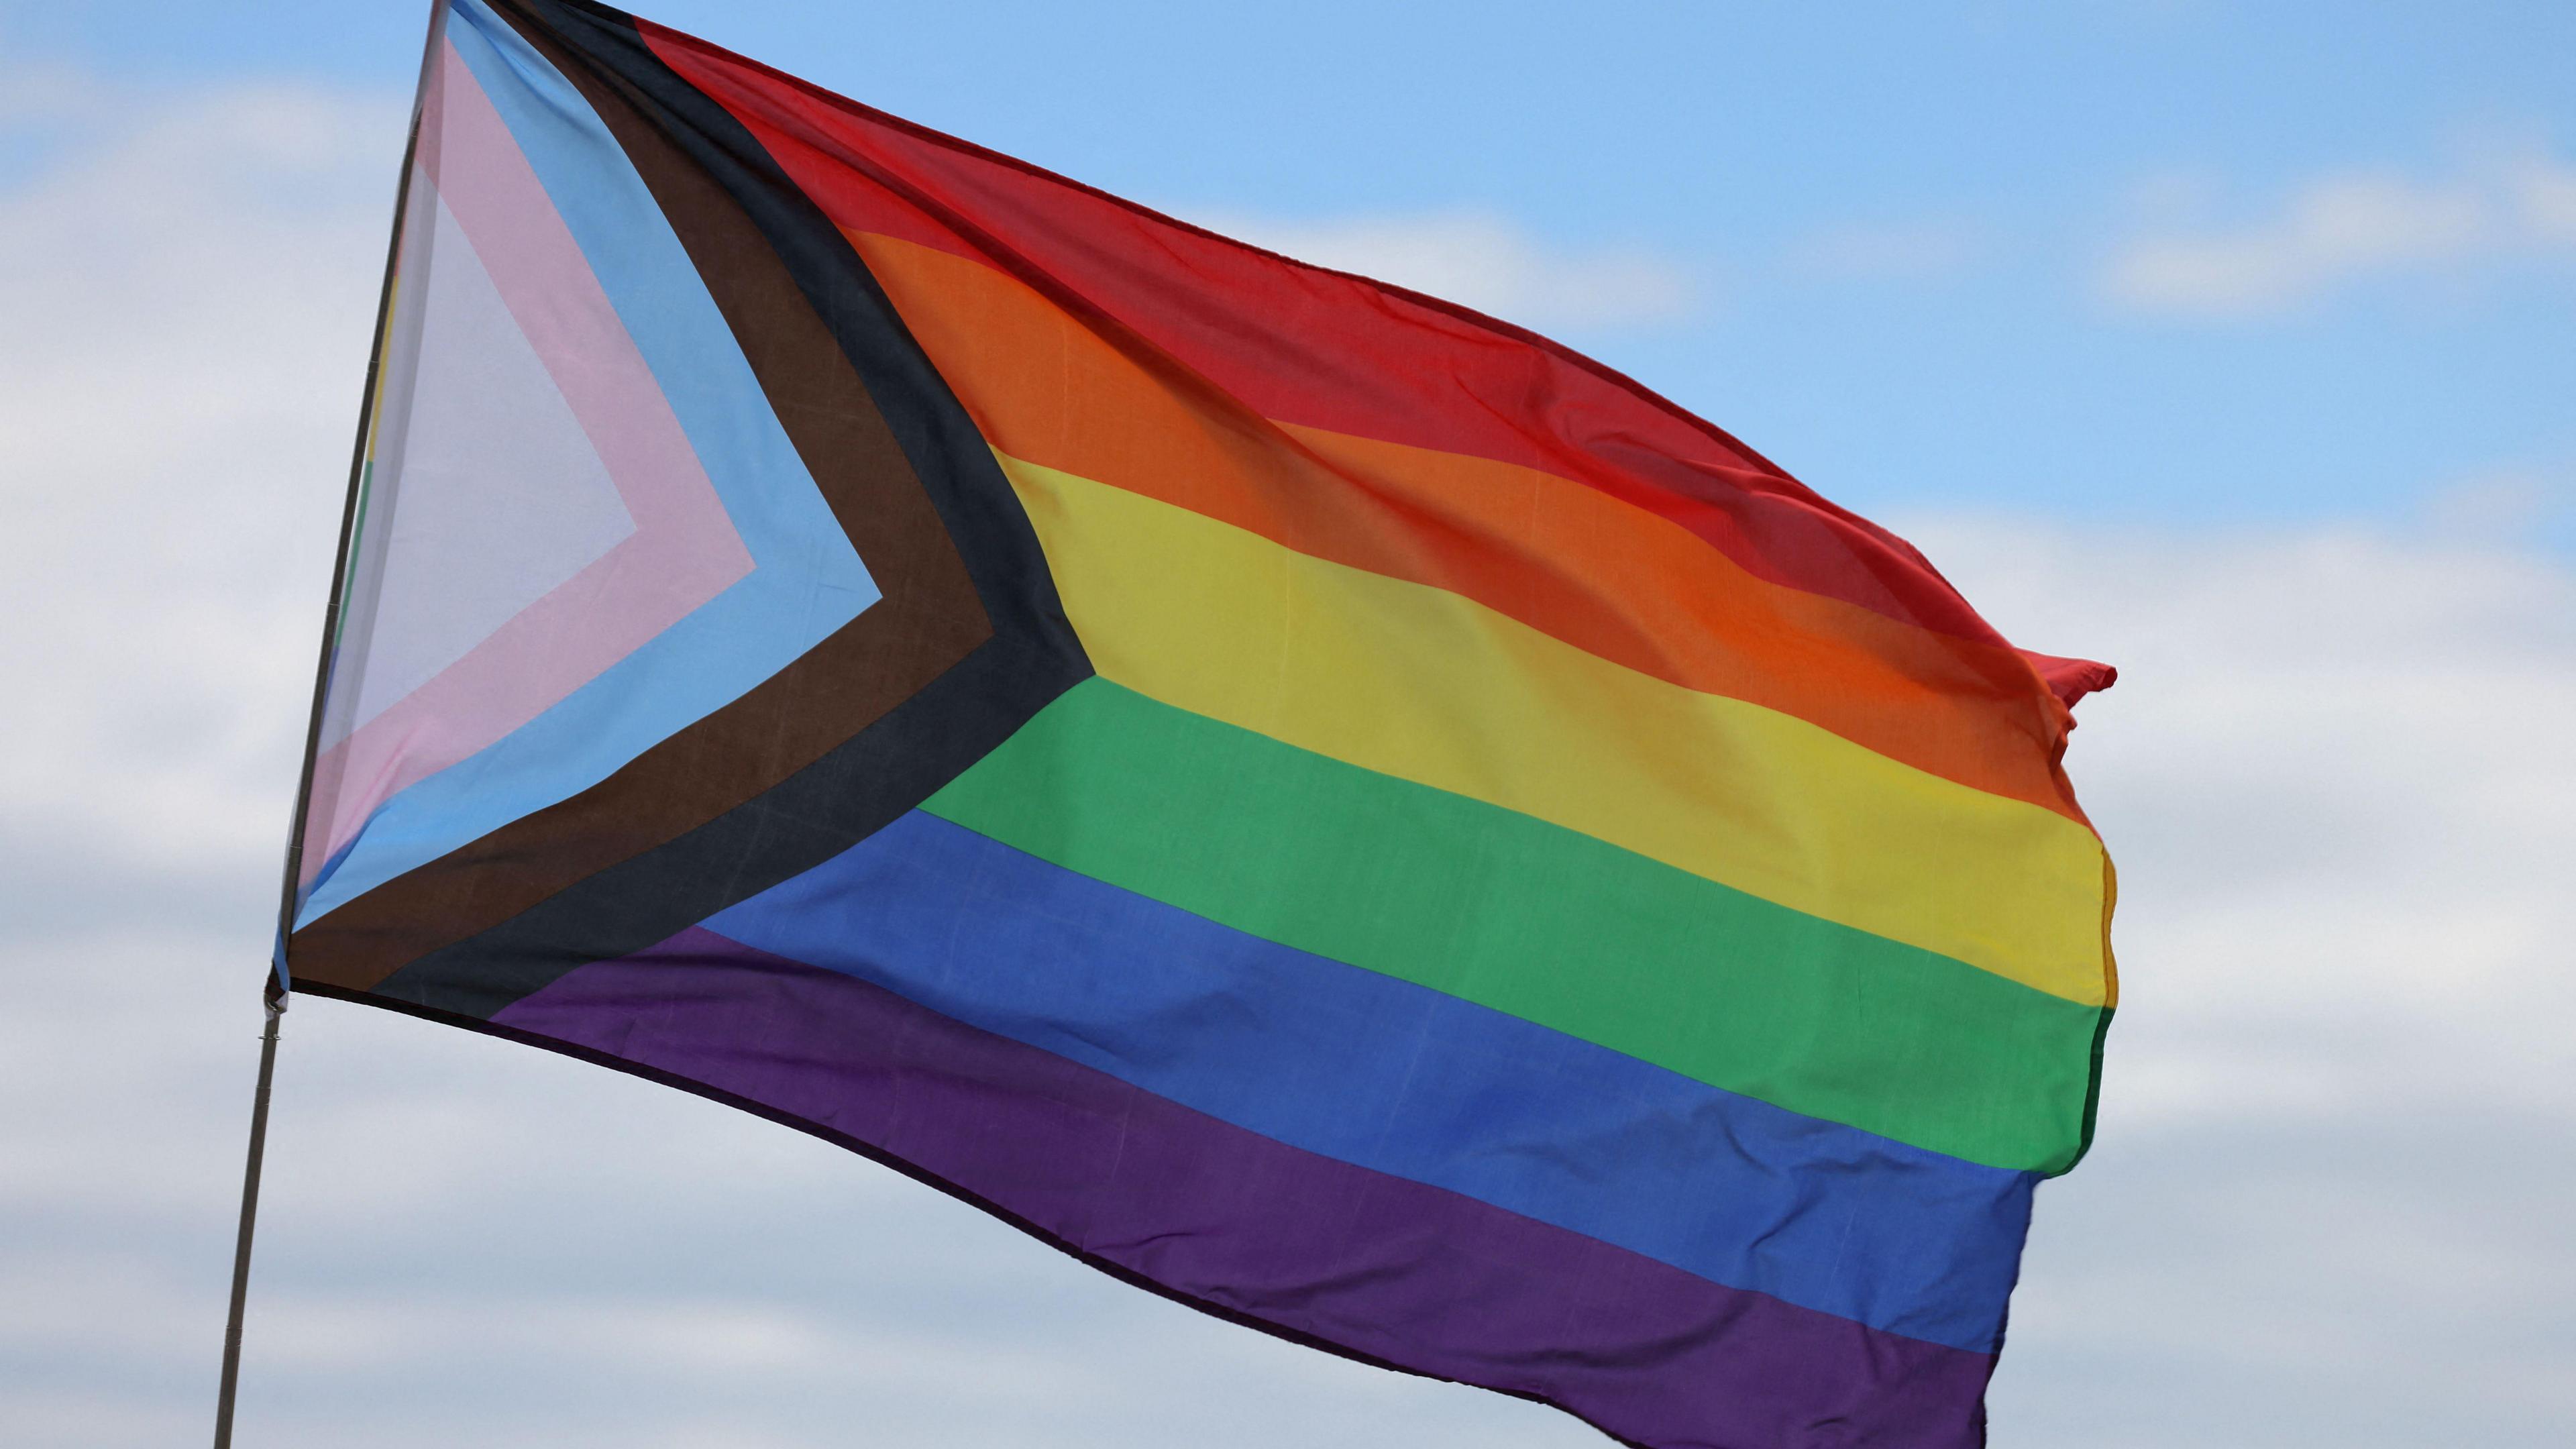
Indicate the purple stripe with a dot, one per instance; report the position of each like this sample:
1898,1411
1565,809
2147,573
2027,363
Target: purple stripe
1416,1276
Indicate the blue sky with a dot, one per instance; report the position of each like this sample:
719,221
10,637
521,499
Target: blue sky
2226,342
1902,225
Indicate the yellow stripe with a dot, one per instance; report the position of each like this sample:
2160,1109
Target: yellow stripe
1420,683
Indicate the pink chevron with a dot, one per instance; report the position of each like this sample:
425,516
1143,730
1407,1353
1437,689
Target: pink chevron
683,552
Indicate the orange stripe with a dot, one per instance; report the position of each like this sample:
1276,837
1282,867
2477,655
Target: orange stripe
1568,560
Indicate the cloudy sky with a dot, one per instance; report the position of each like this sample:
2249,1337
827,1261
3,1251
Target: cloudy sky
2229,343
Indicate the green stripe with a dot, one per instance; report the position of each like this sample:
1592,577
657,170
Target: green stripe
1541,922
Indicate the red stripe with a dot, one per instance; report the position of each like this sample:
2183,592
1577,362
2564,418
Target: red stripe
1305,345
1614,581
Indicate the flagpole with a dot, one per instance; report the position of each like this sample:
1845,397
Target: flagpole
275,990
249,1211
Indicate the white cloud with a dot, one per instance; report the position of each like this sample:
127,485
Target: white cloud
2505,503
188,297
1491,264
2327,1204
2323,1204
2344,229
2337,750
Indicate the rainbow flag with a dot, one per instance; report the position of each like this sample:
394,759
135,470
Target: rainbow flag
1323,804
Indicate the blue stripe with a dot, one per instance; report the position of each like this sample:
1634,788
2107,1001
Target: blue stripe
1405,1080
807,581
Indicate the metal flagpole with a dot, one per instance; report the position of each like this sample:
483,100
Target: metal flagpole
274,992
249,1211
